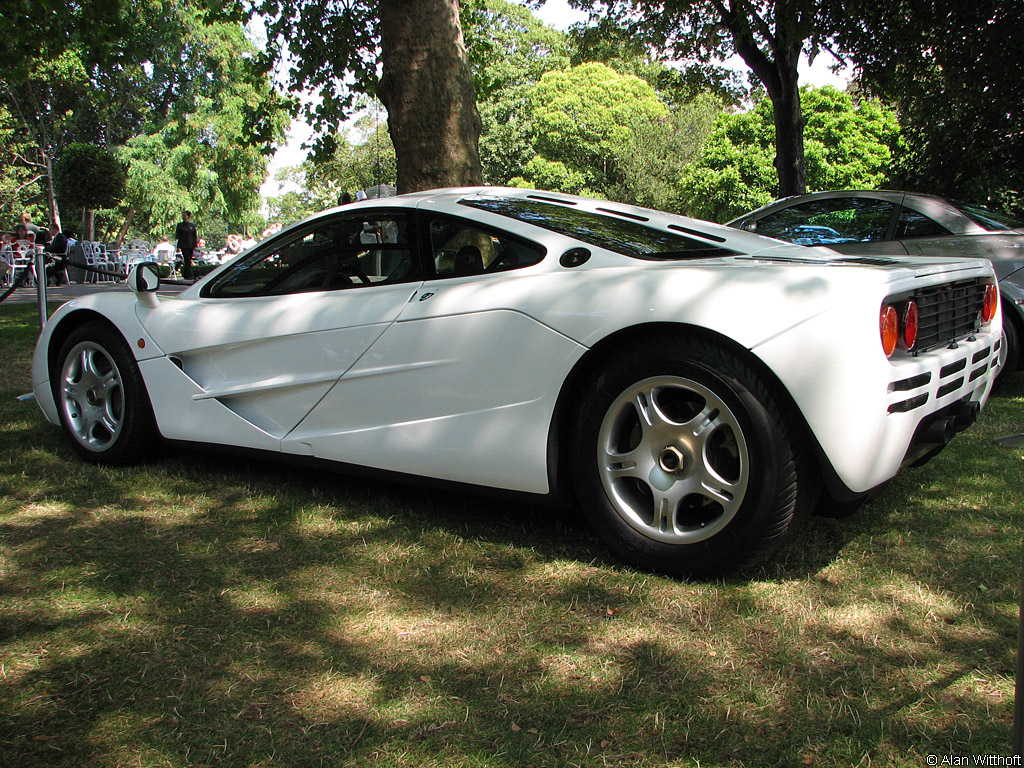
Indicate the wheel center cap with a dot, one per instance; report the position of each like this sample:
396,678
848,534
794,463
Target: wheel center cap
671,460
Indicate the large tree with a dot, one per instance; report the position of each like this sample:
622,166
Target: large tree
107,71
952,67
364,157
509,50
769,35
427,88
201,154
582,121
425,80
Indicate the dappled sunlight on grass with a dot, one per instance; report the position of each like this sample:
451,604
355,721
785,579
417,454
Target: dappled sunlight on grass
207,610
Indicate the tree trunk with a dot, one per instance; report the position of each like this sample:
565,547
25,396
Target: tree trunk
128,219
51,196
778,72
789,134
427,88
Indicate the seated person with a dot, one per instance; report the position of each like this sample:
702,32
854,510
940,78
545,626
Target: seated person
56,271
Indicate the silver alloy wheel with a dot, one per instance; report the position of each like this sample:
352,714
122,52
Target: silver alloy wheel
92,396
673,460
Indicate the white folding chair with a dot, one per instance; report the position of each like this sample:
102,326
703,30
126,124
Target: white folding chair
24,259
7,257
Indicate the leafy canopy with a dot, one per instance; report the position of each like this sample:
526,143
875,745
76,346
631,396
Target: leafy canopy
582,120
847,145
953,69
88,176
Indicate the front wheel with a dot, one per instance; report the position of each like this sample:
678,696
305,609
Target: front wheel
684,462
101,398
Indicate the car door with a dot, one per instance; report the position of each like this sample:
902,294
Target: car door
463,385
847,224
269,335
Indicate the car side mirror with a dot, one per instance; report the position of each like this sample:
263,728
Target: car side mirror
144,280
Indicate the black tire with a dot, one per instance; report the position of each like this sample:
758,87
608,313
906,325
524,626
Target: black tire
684,463
1011,353
101,397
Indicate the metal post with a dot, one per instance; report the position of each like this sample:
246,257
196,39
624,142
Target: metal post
41,286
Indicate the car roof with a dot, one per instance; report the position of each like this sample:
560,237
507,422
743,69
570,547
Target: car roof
940,209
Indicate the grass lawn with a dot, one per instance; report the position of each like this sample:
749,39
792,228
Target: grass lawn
206,610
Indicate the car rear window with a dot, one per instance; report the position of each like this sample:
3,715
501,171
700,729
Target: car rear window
994,221
614,232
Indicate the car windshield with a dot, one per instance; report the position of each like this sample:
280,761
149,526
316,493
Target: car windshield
994,221
612,232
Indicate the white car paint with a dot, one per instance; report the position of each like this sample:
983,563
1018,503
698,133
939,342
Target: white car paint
458,378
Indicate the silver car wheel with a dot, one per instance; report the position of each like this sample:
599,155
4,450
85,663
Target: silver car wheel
92,396
673,460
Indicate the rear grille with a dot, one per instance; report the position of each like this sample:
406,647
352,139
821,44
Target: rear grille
948,313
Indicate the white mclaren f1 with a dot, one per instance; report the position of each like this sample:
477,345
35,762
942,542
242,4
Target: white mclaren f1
695,389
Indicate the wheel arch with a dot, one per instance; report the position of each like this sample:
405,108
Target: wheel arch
1014,315
66,326
129,420
587,367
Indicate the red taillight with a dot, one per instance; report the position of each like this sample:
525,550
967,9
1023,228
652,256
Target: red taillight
889,328
909,326
991,305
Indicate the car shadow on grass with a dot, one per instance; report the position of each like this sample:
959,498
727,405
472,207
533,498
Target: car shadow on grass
206,609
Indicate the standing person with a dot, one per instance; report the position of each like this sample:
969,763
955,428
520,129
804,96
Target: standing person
188,239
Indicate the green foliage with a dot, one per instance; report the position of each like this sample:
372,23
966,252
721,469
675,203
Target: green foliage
331,48
662,151
19,189
952,67
769,36
199,156
608,42
847,145
510,50
508,46
362,161
582,121
112,73
88,176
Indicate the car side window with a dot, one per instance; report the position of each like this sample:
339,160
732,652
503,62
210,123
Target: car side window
914,224
460,248
342,252
830,221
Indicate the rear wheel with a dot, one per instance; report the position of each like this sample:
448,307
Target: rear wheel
684,462
1010,351
101,397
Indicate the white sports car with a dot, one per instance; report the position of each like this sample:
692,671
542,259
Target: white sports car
696,389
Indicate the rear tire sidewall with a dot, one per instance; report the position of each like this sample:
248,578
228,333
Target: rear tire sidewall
136,435
1011,343
767,509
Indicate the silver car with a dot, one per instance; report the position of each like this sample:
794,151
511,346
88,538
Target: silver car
898,223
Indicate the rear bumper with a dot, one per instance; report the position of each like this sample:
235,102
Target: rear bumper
870,415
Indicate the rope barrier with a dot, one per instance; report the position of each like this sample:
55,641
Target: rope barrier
24,274
19,280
